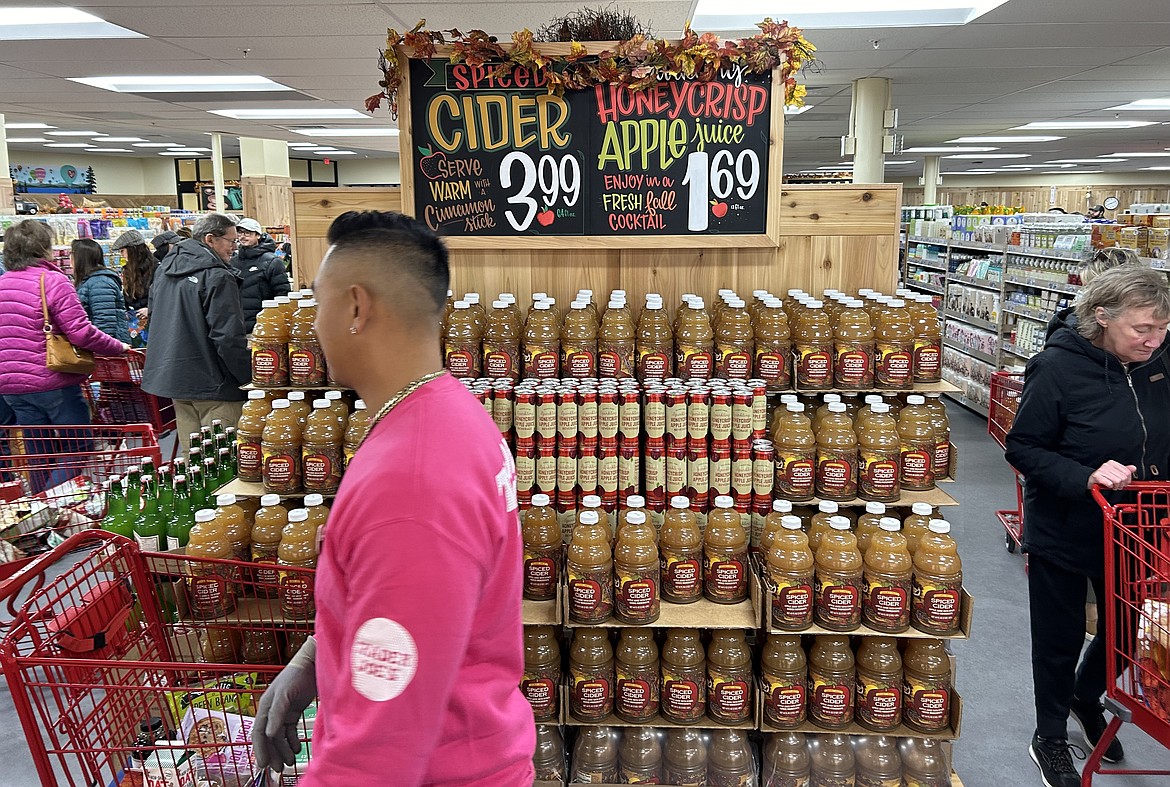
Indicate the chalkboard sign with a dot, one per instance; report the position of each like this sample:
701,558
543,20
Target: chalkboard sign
500,156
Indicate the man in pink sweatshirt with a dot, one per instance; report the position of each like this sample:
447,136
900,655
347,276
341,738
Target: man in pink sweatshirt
418,650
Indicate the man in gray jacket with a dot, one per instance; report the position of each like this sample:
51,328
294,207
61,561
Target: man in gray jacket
198,351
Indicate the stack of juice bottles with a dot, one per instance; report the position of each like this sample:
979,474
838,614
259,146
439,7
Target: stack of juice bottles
285,349
793,758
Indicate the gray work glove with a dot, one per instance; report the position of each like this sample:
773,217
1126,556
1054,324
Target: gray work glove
274,733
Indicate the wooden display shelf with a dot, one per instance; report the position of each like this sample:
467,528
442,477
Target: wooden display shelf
702,614
543,613
942,386
256,489
936,497
951,733
251,611
325,387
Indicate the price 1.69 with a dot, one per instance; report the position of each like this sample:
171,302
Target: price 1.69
558,183
719,175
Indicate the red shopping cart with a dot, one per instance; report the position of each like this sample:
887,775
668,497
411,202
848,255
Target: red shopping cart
1137,617
117,668
1005,398
115,394
51,481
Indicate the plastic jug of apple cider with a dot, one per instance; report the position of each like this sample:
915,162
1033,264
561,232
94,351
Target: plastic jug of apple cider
917,524
473,301
725,550
823,409
549,761
819,524
236,524
640,756
927,340
322,456
684,757
589,569
318,514
616,342
631,504
542,672
211,587
280,448
680,547
866,409
832,679
636,585
306,359
924,763
836,476
543,549
772,524
773,337
590,675
790,565
355,430
298,547
879,454
917,436
595,756
734,343
926,686
501,342
838,578
694,342
267,527
879,684
684,677
813,343
270,347
637,690
730,761
878,762
729,677
654,343
300,407
868,524
796,455
895,347
887,575
942,435
853,348
938,582
579,342
786,760
249,431
463,353
448,307
542,342
784,681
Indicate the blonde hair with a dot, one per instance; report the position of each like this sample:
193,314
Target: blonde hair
1106,259
1117,290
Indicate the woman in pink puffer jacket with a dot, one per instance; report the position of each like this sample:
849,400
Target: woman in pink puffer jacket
36,395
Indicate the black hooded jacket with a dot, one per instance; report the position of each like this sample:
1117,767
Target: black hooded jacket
263,277
198,349
1080,408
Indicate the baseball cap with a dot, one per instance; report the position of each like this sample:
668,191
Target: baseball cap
250,225
165,238
129,238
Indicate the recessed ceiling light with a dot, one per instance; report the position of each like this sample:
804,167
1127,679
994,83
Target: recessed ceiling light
949,150
48,23
1154,154
27,139
155,144
73,134
107,150
182,84
1155,104
1101,160
290,114
371,131
991,155
816,14
797,110
1083,125
27,125
962,140
122,139
68,145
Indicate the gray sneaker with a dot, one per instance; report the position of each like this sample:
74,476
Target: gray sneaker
1053,756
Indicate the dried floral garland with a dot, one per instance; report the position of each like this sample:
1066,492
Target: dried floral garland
636,63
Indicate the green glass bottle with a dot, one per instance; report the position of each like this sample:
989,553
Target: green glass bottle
116,519
216,427
166,492
210,478
148,467
132,491
195,484
227,470
149,528
194,440
182,517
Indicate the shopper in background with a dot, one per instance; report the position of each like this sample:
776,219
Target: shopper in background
1096,212
137,275
418,639
262,272
162,243
1102,261
99,289
1093,411
198,353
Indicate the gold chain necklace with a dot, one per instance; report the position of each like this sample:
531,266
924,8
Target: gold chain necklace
396,400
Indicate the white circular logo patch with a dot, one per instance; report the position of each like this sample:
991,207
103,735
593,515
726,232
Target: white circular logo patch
383,659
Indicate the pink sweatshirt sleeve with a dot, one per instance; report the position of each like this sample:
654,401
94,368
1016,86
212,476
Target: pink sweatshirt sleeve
412,592
69,317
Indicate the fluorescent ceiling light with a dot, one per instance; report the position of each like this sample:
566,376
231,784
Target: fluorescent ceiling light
974,172
49,23
122,139
900,163
27,125
991,155
155,144
339,153
183,153
962,140
107,150
324,149
73,134
1078,172
745,14
370,131
182,84
1101,160
1155,104
1025,166
1083,125
68,145
948,150
797,110
1141,155
27,139
290,114
1159,169
185,149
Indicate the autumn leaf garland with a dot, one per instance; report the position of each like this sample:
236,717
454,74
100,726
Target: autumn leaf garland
636,63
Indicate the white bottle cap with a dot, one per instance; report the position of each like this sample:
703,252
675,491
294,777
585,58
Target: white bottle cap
591,501
614,303
257,395
269,500
635,501
654,305
585,292
854,305
680,501
875,508
897,303
837,407
794,407
873,399
311,303
789,399
296,396
636,517
697,303
915,399
782,506
828,507
450,293
320,404
298,515
205,515
831,397
295,295
462,305
539,296
225,500
333,395
839,522
815,304
280,404
790,522
759,293
471,297
922,509
589,518
542,306
578,305
360,404
889,524
880,408
939,526
725,501
507,298
281,300
270,304
540,500
551,301
795,291
499,304
314,500
618,292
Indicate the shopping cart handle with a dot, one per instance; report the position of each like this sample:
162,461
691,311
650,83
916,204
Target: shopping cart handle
11,587
1105,505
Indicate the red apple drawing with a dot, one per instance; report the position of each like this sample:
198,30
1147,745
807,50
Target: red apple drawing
719,209
429,164
545,217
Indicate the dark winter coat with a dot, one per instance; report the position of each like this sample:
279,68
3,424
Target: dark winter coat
101,295
263,277
197,345
1080,408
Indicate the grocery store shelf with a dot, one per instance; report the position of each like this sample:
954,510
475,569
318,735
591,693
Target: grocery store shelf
931,241
982,284
941,267
936,497
942,386
255,489
974,245
702,614
542,613
976,321
1040,284
325,387
970,405
1039,315
705,723
1018,351
1050,254
918,285
971,351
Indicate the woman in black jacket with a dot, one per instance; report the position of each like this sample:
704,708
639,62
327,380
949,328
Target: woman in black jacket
99,289
1093,411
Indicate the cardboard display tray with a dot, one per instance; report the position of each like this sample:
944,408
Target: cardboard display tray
942,386
256,489
702,614
901,731
543,613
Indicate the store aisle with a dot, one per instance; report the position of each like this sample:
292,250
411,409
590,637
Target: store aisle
994,676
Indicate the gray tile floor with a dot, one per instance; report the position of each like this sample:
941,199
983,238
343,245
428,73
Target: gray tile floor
993,668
